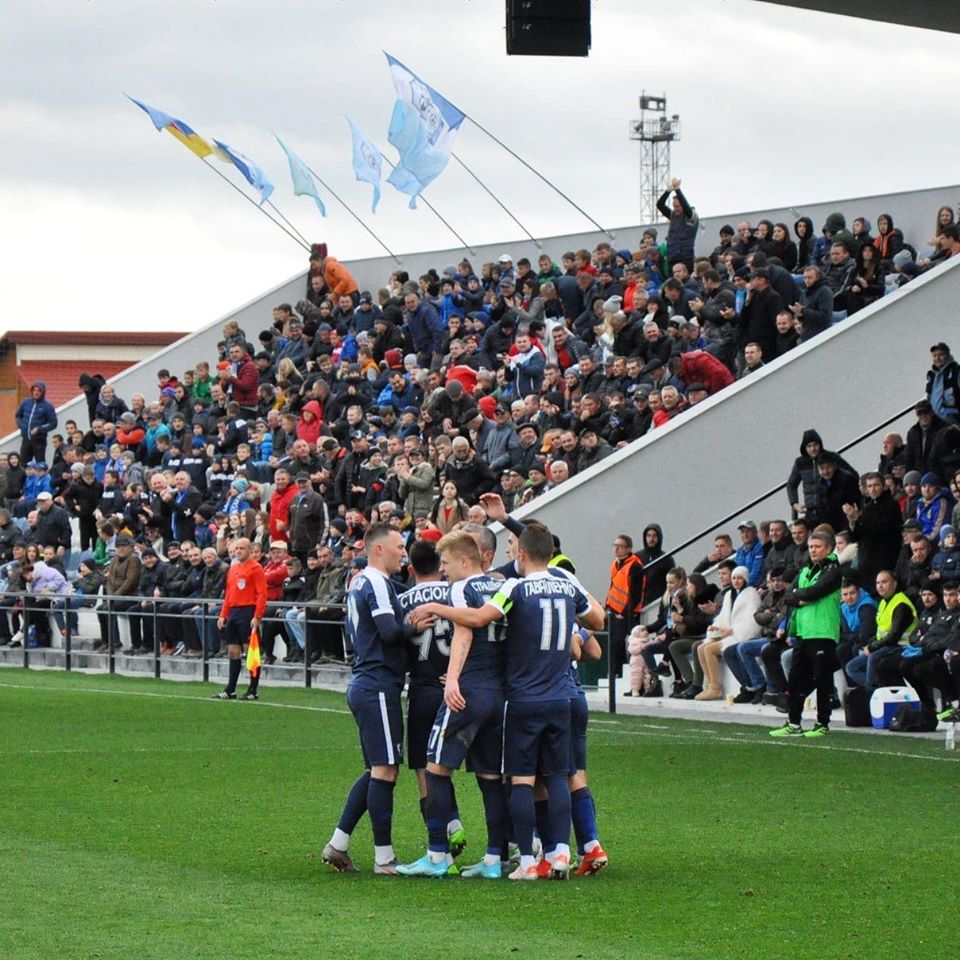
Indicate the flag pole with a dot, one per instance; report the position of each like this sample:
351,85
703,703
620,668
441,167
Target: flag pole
500,203
435,212
299,241
272,206
534,170
352,214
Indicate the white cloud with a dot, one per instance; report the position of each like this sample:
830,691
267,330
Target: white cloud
107,221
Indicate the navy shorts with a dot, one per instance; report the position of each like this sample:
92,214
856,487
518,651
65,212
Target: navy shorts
422,706
536,738
236,629
579,714
474,734
379,718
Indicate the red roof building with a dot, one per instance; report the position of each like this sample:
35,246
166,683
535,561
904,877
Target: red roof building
59,357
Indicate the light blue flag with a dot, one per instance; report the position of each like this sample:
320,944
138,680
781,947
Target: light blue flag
303,183
251,172
422,128
367,162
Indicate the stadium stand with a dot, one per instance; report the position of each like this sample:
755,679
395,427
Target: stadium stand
558,382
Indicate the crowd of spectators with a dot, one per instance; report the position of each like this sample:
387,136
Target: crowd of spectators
890,576
410,403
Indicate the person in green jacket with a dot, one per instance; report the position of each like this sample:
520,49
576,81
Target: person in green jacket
814,599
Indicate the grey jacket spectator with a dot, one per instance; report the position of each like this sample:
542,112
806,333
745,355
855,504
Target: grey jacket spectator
416,488
501,447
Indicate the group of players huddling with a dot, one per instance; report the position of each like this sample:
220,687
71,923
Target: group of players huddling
491,655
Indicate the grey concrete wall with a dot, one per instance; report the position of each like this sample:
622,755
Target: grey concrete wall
914,212
708,462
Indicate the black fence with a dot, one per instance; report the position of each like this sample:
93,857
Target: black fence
156,613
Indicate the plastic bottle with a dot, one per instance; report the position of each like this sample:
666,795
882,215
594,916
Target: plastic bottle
32,637
949,740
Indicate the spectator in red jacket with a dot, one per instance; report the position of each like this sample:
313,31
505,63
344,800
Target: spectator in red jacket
243,380
284,492
698,366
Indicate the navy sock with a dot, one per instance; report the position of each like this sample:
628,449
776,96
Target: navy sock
380,808
439,802
254,683
558,791
234,667
584,813
496,815
523,816
542,811
356,805
511,833
423,809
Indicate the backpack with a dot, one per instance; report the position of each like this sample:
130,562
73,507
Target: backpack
856,707
910,720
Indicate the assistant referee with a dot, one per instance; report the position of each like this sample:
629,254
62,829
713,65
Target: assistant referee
243,606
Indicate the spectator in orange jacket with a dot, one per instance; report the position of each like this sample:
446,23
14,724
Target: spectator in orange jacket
338,279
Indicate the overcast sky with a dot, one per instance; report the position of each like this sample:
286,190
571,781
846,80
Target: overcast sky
108,224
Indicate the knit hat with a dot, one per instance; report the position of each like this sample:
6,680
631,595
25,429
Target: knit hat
902,257
911,476
612,304
394,358
930,479
240,485
741,571
945,531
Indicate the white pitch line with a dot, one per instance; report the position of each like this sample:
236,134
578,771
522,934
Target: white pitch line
170,696
748,741
55,751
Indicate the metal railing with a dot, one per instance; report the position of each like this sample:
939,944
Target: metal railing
739,512
155,610
103,605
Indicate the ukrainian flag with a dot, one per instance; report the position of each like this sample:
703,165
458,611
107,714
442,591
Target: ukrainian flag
177,128
253,653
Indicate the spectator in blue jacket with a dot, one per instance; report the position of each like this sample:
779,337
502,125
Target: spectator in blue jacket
426,330
750,552
35,418
946,563
933,507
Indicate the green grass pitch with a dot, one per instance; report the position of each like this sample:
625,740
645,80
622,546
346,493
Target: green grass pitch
141,819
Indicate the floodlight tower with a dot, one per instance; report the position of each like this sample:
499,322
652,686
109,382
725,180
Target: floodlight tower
655,131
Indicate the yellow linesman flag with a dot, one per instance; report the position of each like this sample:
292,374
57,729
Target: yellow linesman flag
253,654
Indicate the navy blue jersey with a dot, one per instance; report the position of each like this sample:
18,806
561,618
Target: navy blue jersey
371,593
428,651
541,610
486,662
508,570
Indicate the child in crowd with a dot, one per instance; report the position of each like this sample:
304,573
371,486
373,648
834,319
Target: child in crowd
946,563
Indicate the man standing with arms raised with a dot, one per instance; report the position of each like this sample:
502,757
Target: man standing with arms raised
243,605
378,638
